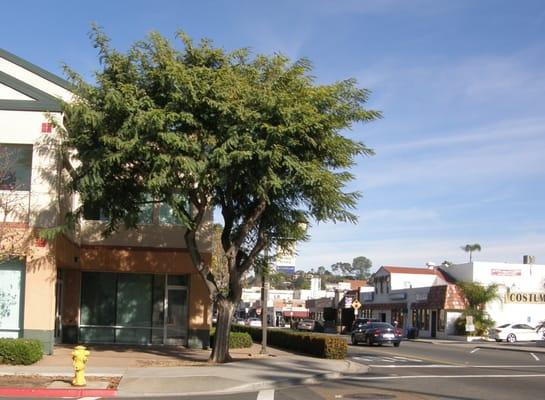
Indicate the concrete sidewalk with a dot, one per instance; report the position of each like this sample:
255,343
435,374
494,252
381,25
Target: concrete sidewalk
184,372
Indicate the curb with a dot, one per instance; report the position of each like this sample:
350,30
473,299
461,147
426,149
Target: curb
43,392
352,369
248,387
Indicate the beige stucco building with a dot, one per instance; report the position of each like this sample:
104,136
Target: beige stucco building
135,287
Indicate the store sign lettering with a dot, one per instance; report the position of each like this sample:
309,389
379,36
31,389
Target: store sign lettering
525,298
506,272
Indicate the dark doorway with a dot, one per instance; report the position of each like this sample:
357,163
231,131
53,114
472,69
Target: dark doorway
433,324
383,317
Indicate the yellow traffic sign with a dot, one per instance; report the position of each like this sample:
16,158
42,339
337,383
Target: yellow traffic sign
356,304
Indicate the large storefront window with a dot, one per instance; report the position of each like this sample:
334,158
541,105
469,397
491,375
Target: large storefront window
441,320
11,283
425,320
130,308
15,166
421,319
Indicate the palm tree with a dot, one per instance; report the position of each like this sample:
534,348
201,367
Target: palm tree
477,297
470,248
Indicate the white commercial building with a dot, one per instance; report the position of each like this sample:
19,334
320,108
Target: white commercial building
429,300
521,289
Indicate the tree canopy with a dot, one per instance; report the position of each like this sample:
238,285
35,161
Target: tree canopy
359,269
200,128
470,248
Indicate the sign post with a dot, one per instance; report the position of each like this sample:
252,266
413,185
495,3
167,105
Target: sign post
356,306
470,327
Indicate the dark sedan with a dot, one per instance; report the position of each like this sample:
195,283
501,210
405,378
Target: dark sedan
377,332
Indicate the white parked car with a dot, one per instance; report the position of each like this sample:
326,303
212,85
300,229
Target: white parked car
514,332
255,322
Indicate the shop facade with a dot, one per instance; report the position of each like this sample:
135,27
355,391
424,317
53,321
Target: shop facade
423,300
429,302
134,287
521,288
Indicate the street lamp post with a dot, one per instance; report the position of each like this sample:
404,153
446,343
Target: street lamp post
264,301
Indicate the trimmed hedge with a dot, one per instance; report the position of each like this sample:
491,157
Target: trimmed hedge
20,351
324,346
237,340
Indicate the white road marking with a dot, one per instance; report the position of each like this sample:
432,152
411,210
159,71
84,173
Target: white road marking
378,378
267,394
475,350
386,359
407,359
362,358
455,366
535,357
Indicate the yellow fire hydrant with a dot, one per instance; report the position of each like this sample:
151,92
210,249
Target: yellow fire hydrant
79,359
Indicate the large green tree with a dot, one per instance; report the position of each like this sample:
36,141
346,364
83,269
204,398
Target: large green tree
205,129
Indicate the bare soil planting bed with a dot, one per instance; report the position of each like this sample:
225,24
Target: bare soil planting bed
38,381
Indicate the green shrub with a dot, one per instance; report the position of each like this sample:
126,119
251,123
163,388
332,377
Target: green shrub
481,320
237,340
318,345
20,351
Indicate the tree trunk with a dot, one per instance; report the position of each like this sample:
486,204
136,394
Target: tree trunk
220,352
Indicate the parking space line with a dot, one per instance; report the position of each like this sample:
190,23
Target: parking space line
535,357
474,350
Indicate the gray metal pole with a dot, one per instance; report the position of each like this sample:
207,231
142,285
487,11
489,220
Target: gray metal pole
264,300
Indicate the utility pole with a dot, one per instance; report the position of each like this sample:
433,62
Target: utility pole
265,292
264,301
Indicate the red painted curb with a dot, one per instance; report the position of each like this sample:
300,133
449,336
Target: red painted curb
43,392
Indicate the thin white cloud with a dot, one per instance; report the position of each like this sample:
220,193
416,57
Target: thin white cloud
416,252
380,7
475,80
515,129
400,215
469,166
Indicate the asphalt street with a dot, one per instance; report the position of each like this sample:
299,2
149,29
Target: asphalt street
423,371
427,371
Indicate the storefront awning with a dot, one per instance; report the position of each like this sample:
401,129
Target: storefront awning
384,306
295,314
447,297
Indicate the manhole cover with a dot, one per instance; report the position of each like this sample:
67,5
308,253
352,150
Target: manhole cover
368,396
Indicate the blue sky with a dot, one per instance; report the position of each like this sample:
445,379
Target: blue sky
461,84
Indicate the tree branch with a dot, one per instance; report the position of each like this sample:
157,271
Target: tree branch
259,246
247,225
191,242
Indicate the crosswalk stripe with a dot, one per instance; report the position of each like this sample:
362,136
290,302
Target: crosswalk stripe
408,359
267,394
386,359
362,358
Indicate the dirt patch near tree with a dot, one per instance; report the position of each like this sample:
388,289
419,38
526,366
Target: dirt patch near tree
39,381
